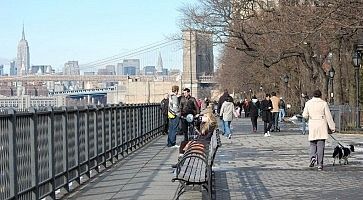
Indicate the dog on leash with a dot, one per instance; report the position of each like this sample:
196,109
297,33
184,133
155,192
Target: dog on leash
341,152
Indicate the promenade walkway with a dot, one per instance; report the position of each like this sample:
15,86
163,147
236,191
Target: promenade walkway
249,166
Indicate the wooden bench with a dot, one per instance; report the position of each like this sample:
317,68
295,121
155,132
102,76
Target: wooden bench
195,166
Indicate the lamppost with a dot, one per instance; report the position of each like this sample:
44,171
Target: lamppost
331,77
357,58
286,80
250,93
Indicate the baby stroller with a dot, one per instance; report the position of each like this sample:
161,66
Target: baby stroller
301,122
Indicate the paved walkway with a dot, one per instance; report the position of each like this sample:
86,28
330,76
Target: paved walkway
249,166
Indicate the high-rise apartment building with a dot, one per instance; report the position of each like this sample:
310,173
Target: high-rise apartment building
23,57
13,68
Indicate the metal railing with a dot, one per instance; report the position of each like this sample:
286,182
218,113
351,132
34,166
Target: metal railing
345,117
42,151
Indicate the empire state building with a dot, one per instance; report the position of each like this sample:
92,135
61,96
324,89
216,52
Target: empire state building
23,58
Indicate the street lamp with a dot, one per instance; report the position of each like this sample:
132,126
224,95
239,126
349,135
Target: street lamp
286,80
250,93
331,77
357,59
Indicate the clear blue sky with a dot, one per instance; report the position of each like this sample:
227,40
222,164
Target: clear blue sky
84,30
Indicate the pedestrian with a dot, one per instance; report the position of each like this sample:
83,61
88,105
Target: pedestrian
304,98
221,100
282,109
275,111
254,110
164,105
266,107
245,106
173,115
188,105
317,112
227,113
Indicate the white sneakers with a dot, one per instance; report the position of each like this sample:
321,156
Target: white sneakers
267,134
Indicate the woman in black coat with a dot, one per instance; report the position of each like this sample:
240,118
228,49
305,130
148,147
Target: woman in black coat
253,110
266,107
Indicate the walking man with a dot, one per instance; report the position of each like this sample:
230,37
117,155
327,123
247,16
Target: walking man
266,107
173,115
188,105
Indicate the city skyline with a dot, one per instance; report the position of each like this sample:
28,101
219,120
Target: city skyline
55,38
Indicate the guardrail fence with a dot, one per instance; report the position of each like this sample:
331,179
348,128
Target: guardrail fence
345,117
42,151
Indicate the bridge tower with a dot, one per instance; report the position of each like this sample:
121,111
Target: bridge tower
197,61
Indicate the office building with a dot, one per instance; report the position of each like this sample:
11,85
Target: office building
131,67
119,69
111,69
23,57
2,70
71,68
159,66
149,70
41,69
13,68
26,101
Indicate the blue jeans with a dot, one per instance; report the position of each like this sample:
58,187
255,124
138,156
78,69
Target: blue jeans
173,127
281,115
221,125
227,127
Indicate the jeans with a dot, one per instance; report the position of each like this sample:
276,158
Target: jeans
227,127
221,125
281,114
275,120
173,127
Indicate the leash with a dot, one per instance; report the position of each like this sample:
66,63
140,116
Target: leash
336,140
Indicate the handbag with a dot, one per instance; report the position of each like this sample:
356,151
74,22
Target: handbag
171,115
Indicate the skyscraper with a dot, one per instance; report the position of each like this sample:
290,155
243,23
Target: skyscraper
159,66
13,69
2,70
23,57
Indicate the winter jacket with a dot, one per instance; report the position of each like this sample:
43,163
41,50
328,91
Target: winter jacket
227,111
317,112
275,103
254,107
174,104
266,106
222,99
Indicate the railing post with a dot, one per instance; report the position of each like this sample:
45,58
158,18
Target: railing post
65,149
12,154
103,132
86,137
34,153
51,149
76,148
